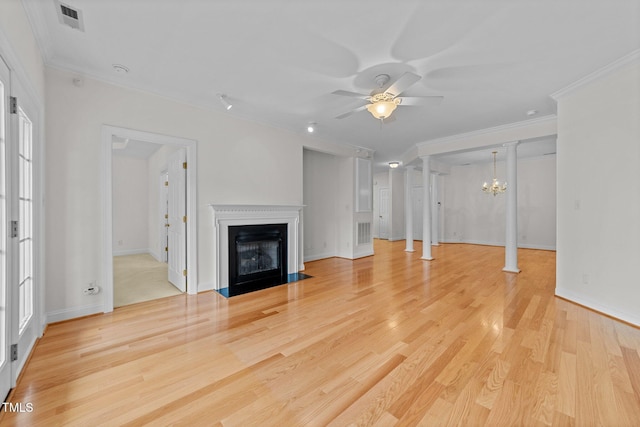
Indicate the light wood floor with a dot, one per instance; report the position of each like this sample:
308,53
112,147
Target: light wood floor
386,340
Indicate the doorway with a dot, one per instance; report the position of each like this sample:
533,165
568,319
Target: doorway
188,148
383,206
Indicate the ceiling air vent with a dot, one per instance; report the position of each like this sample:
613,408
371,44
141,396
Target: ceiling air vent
69,16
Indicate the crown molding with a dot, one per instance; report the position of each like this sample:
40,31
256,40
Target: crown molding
596,75
481,132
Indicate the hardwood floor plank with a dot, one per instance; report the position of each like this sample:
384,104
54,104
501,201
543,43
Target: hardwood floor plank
567,385
632,362
385,340
492,385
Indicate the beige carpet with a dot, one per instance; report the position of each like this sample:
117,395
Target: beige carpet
138,278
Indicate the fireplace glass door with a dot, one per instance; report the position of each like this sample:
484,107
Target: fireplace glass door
257,253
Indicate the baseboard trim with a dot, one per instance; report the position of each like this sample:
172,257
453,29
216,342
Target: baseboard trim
363,254
587,302
309,258
132,252
485,243
206,286
72,313
155,255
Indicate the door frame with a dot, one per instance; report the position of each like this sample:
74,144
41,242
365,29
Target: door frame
108,132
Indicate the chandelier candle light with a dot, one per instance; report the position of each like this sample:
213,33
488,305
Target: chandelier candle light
495,186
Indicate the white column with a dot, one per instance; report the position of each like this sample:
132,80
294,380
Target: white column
511,234
434,209
408,208
426,208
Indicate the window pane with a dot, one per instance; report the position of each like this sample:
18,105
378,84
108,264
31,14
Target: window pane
25,204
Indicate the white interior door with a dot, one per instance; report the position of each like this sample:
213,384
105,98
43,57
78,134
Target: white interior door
5,306
383,220
177,233
417,212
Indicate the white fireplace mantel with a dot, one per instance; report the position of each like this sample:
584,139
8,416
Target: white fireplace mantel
231,215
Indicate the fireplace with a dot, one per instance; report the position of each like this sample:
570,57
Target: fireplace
267,235
257,255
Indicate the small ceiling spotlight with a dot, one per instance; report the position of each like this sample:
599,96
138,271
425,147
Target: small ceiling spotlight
223,99
394,165
532,113
311,127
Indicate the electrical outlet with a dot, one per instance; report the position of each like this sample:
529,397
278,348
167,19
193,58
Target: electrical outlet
91,290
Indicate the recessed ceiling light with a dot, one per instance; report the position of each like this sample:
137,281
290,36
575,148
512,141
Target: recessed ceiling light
311,127
394,165
120,69
532,112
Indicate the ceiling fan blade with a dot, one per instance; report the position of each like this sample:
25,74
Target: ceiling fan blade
348,113
403,83
422,101
350,94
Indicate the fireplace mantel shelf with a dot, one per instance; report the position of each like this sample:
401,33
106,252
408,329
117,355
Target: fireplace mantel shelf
254,208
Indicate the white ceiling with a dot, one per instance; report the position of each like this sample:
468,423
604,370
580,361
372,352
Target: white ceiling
279,60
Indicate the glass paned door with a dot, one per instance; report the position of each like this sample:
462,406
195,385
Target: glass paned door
25,220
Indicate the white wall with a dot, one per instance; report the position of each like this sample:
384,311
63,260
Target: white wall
345,206
19,47
130,205
599,194
239,162
320,211
471,216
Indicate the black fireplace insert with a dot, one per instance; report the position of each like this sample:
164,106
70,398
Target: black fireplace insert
257,256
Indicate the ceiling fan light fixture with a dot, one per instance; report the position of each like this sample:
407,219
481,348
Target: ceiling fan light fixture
383,109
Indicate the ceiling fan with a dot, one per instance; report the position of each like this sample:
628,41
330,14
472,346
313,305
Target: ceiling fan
381,103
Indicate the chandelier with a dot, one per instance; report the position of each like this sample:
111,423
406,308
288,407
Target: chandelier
495,186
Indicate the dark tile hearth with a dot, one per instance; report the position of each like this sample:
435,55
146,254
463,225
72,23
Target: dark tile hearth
269,283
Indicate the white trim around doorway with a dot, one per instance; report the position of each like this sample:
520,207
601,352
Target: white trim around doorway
108,132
